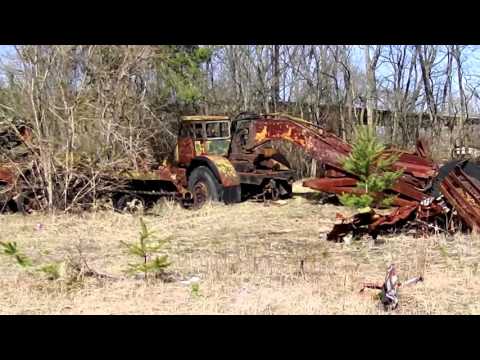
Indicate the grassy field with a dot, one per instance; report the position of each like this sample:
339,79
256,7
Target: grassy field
247,257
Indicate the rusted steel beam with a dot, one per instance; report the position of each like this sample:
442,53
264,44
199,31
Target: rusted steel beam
464,195
415,166
340,186
408,190
329,184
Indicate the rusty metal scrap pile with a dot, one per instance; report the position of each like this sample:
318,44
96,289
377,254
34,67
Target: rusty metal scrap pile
428,197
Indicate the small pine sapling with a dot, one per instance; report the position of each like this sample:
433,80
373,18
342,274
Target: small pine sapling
52,270
11,249
195,289
146,249
368,161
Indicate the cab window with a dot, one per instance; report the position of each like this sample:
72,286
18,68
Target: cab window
225,129
218,130
199,131
213,130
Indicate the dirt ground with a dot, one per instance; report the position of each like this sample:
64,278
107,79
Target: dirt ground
247,258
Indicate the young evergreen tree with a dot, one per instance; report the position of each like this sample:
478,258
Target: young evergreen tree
374,169
146,249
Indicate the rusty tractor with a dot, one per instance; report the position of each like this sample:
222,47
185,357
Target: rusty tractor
215,159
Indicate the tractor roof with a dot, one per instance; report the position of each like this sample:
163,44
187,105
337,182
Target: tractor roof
204,118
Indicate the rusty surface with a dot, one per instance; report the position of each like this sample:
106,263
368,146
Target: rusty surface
414,165
330,184
407,195
422,149
320,144
369,222
14,153
408,191
355,225
333,173
6,175
463,193
330,151
399,214
185,150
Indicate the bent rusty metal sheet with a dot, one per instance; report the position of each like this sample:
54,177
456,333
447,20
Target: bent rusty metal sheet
399,214
415,165
463,193
369,222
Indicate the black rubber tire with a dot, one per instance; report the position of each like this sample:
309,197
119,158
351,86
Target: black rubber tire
17,205
20,204
232,195
204,176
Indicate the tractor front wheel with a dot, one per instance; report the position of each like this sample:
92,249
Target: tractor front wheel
204,186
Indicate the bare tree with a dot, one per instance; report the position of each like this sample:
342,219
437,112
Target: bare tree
371,63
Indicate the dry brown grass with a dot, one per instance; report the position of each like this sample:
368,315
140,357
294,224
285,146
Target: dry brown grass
247,257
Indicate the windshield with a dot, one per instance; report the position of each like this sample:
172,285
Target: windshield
207,130
213,130
218,130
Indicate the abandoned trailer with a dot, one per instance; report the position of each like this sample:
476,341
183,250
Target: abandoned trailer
230,160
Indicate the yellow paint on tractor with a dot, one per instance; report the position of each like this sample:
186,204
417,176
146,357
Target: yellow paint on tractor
200,148
228,174
226,168
288,136
261,135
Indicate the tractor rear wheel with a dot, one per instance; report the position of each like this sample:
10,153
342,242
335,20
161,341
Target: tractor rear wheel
204,186
130,203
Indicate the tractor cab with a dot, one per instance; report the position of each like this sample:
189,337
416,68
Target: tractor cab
202,135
